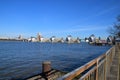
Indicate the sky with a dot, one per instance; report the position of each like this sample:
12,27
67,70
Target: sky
79,18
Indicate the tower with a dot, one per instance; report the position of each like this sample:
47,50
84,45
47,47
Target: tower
38,37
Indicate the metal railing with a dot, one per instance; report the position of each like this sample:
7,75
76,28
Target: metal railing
97,69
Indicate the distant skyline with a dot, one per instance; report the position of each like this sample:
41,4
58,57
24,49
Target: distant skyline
79,18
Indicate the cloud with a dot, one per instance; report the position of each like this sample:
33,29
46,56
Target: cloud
86,29
106,11
102,12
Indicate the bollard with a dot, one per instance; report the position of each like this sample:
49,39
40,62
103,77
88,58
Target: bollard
46,66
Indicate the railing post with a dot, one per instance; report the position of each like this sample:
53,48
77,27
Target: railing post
97,70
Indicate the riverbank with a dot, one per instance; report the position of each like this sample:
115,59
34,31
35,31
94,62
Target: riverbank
12,40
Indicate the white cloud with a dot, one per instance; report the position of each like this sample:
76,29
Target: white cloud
106,11
88,28
102,12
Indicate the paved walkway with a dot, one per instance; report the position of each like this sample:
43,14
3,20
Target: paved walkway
114,69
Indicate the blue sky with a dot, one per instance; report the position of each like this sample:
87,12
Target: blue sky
79,18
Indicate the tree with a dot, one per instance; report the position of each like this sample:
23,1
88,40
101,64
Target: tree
115,29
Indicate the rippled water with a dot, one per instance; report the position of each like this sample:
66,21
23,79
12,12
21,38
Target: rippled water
19,60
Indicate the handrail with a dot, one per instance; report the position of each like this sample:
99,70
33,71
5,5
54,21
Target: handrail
92,70
77,71
102,62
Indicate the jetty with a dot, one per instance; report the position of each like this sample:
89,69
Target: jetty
104,67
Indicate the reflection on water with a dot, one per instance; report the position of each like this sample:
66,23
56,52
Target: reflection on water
19,60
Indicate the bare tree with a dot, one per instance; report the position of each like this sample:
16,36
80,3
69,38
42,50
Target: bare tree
115,29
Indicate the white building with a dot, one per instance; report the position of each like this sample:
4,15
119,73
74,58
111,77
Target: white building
32,39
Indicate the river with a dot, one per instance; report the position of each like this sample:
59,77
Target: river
19,60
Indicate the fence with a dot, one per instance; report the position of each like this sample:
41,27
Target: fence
96,69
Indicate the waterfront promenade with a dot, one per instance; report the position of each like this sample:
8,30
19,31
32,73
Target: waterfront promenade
115,66
105,67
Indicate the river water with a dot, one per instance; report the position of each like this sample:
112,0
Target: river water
19,60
